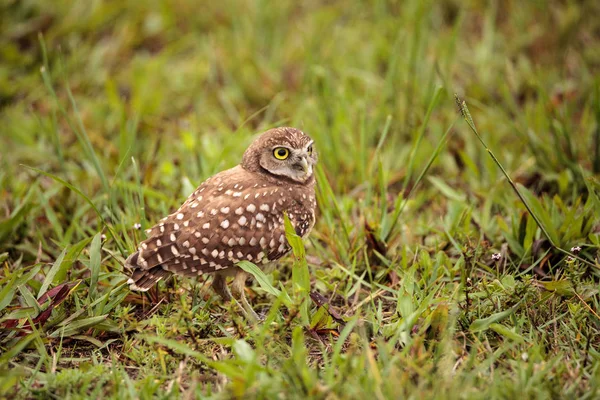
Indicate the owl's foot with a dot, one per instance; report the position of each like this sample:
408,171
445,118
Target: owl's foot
239,285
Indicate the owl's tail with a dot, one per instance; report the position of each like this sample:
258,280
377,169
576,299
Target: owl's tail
143,279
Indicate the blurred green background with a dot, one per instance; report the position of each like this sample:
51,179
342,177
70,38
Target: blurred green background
123,107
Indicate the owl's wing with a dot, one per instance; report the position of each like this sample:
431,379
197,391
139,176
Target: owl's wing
230,217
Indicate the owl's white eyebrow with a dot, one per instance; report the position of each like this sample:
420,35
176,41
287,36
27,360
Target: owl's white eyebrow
309,144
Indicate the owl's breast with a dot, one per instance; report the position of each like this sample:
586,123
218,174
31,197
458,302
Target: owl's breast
302,211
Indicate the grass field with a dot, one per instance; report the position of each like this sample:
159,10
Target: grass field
429,274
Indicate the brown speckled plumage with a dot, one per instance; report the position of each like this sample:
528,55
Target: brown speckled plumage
234,215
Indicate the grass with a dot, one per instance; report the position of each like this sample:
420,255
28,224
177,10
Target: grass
450,259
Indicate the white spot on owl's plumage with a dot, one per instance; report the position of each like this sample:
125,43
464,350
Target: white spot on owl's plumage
225,224
251,208
242,221
206,225
225,210
215,253
180,216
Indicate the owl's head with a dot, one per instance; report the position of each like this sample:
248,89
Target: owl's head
282,152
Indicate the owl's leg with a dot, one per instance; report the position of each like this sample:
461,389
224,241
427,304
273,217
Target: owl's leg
219,285
238,287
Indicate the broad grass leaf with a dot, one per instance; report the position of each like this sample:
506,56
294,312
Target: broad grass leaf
76,326
244,351
562,287
506,332
52,273
300,275
95,259
15,349
29,298
446,190
483,324
231,371
540,213
260,277
7,293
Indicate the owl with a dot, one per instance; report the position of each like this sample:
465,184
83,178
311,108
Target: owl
235,215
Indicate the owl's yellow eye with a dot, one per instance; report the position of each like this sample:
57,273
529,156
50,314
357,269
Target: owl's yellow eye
309,150
281,153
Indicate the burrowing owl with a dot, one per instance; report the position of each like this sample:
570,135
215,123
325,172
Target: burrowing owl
235,215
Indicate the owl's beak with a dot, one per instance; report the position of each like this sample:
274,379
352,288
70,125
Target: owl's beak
304,165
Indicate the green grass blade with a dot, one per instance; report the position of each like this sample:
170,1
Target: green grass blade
87,199
79,131
76,326
95,259
467,116
52,273
260,277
